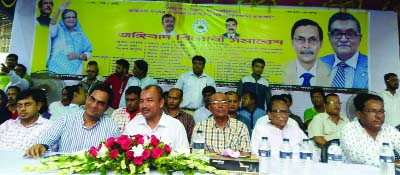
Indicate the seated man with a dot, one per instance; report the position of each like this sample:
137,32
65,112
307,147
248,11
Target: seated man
58,107
317,96
77,96
221,131
203,113
250,110
327,126
289,102
234,104
21,133
277,129
82,129
122,116
361,140
153,121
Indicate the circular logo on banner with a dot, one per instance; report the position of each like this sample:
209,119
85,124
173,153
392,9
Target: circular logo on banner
200,26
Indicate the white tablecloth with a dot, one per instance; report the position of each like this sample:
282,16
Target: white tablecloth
11,163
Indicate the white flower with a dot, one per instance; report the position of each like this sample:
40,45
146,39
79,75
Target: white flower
137,150
181,151
102,152
146,141
81,154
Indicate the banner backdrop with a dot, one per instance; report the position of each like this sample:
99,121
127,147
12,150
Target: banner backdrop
133,30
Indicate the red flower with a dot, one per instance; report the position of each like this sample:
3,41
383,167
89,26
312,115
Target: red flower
138,160
93,151
110,142
157,152
146,154
140,141
126,144
121,138
167,148
113,154
129,155
154,141
99,147
138,136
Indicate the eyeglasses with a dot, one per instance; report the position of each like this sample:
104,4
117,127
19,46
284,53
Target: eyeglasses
301,40
284,112
217,103
334,102
349,34
374,113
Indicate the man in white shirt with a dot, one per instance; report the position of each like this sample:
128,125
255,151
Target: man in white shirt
327,126
153,121
391,100
306,70
122,116
21,133
362,139
168,22
192,83
277,129
203,113
59,107
77,96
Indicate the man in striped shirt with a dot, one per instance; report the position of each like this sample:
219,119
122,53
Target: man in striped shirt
80,130
221,131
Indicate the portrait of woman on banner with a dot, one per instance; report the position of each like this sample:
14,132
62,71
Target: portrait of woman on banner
69,44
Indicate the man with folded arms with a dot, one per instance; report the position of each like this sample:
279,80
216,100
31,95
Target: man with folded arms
82,129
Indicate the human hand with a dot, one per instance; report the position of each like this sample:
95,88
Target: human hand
4,69
35,151
64,5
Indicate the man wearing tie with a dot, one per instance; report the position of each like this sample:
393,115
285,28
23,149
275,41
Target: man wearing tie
306,70
231,25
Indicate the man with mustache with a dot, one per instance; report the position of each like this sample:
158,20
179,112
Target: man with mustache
349,66
306,70
45,7
168,22
153,121
231,25
362,139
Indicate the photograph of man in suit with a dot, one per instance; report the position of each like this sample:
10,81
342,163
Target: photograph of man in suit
306,69
168,22
231,25
349,66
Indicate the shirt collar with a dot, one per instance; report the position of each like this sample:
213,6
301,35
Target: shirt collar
228,123
40,120
202,74
162,122
352,62
300,69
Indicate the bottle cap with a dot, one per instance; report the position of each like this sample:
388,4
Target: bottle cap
199,131
285,139
262,138
384,143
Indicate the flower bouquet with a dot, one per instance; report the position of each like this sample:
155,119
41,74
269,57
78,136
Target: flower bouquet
136,154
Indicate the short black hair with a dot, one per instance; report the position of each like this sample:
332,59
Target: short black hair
257,60
133,89
288,97
388,75
307,22
199,58
12,55
123,63
317,90
23,67
38,95
40,3
142,65
232,93
105,88
166,16
14,87
232,19
180,90
208,89
275,98
360,100
72,90
330,95
158,89
41,95
92,63
343,16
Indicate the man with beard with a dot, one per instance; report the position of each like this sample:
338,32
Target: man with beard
45,7
168,22
153,121
391,100
139,78
231,25
306,70
327,126
349,66
122,116
118,80
92,78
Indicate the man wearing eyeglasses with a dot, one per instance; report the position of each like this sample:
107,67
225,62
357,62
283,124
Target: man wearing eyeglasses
221,131
306,70
277,128
391,99
92,78
362,139
327,126
349,66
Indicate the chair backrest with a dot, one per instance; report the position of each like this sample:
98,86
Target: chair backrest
324,150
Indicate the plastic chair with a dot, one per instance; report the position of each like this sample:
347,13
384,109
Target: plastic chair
324,150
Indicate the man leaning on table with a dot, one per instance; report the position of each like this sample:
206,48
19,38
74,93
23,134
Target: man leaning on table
362,139
82,129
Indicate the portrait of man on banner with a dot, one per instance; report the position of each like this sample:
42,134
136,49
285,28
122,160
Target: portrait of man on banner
231,25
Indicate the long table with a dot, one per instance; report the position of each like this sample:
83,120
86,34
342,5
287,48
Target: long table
12,162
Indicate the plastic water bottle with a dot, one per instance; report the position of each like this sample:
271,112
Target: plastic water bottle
285,156
198,143
335,154
386,159
264,156
306,153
